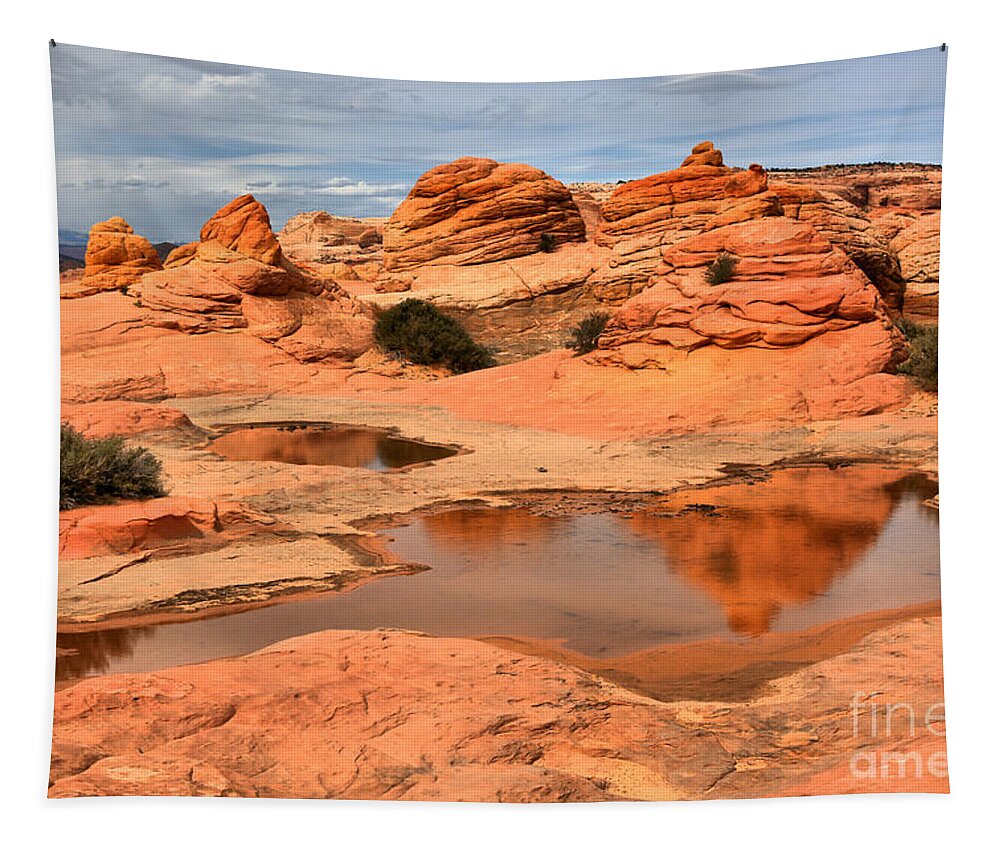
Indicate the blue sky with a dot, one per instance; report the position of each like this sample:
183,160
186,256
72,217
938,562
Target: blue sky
165,142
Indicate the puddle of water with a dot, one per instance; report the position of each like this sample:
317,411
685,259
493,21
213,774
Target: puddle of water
807,547
325,445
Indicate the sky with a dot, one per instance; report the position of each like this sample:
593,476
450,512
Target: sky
165,142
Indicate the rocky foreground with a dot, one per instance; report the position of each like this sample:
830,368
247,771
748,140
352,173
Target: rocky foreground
398,715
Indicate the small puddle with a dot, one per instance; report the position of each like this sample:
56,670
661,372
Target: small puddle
324,444
738,562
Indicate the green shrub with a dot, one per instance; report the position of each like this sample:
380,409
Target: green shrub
721,269
417,331
547,243
105,469
583,338
922,365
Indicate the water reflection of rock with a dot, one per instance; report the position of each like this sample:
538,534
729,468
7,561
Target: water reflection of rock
464,530
323,446
87,653
782,542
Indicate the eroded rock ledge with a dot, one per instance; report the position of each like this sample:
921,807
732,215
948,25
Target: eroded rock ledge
400,715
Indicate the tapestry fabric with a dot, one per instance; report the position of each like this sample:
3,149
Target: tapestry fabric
513,442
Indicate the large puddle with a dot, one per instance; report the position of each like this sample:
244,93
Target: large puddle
809,546
323,444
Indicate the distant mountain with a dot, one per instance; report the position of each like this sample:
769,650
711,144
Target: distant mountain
67,262
164,248
77,252
71,238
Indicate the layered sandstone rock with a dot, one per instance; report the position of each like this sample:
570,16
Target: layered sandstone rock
644,216
344,249
398,715
107,419
919,249
894,198
874,185
237,277
521,307
915,237
849,228
149,525
790,285
476,210
793,294
116,257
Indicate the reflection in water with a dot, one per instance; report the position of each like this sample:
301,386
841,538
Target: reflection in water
806,547
783,543
325,445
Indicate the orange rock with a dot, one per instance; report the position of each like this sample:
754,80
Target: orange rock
918,246
476,210
116,256
105,419
137,526
334,247
789,286
380,714
849,228
213,286
244,226
388,714
643,216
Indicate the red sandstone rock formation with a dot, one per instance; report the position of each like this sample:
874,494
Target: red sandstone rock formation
237,277
848,227
790,285
116,257
476,210
915,237
134,526
894,198
644,216
397,715
105,419
336,247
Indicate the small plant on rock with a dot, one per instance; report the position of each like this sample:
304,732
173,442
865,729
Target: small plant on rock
417,331
922,364
721,269
547,243
94,470
584,337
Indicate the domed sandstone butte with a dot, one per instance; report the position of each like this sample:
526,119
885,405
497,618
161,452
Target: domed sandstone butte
476,210
237,277
243,226
116,257
644,216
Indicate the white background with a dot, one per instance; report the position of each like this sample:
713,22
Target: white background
501,41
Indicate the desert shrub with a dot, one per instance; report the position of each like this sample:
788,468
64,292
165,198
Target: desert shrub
583,338
721,269
922,364
417,331
93,470
547,243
